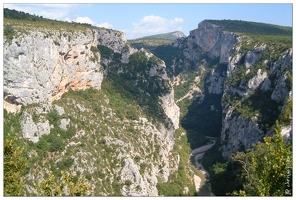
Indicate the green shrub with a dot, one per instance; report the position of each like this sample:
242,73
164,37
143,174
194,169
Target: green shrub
53,117
105,51
8,32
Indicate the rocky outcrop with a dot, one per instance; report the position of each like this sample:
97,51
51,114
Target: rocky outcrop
252,56
282,69
112,39
148,179
254,82
43,64
40,68
216,81
34,130
178,34
60,110
213,40
208,41
64,123
238,133
170,108
126,52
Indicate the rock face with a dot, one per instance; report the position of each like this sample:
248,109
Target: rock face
252,56
178,34
281,68
216,81
33,130
212,39
167,100
238,132
113,39
170,108
39,68
207,41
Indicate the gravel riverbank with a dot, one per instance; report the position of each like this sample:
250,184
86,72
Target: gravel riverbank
198,154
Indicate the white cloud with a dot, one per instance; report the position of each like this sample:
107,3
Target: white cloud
105,25
67,19
84,20
53,14
80,20
155,24
177,19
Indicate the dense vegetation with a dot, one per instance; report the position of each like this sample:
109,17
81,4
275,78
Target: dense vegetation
264,170
15,164
14,167
145,90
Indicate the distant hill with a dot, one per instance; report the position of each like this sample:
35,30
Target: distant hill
168,36
239,26
156,40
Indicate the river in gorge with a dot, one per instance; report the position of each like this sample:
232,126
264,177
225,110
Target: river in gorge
201,176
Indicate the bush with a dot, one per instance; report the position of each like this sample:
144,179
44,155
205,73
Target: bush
55,143
8,32
105,51
68,162
53,117
132,114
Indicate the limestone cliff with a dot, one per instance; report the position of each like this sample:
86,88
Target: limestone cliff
39,67
42,66
253,76
211,39
239,131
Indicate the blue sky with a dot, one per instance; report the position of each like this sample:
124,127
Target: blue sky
138,20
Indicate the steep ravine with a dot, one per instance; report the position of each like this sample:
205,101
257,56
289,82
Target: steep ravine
249,76
254,78
84,100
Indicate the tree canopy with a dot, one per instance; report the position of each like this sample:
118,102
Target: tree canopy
267,167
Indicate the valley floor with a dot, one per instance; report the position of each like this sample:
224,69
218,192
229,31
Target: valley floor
201,175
